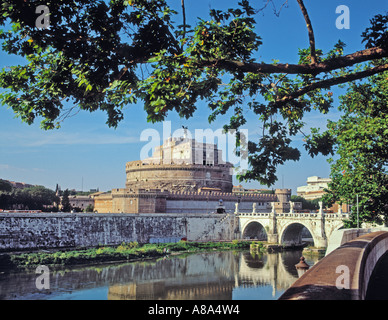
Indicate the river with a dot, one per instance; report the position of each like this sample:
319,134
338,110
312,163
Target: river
217,275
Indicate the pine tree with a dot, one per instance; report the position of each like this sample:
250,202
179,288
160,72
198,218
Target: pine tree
66,207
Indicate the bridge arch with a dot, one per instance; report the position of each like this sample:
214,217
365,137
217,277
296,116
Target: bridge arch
254,230
293,233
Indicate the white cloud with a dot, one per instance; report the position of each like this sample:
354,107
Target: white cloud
7,167
81,139
4,166
39,139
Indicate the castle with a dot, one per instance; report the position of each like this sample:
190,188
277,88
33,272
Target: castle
185,176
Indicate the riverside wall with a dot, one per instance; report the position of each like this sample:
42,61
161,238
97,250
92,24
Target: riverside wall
28,231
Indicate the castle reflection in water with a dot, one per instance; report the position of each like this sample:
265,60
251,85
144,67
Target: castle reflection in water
207,276
202,276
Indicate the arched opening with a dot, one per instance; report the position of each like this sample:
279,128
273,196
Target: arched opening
255,230
296,234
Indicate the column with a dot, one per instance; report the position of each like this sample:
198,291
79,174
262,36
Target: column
272,232
320,228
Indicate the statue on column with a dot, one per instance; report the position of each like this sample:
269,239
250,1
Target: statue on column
291,207
320,207
254,207
273,212
236,208
272,230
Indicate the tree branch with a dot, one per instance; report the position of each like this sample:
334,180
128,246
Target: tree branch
275,11
184,18
331,82
310,31
313,69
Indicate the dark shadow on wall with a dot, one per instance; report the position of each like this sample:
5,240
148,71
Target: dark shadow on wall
378,283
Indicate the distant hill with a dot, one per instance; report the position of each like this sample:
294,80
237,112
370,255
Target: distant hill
20,185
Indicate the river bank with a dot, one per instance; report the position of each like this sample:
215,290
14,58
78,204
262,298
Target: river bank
125,252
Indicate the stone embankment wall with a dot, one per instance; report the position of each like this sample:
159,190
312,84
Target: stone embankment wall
58,230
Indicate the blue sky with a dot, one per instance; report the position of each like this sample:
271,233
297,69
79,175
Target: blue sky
85,153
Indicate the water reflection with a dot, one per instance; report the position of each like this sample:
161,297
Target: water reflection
216,275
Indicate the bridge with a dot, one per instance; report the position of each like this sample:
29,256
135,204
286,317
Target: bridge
290,228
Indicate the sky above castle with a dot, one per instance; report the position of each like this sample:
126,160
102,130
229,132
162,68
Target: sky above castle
85,153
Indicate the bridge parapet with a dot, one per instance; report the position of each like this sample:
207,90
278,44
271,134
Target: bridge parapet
343,274
296,215
253,214
337,216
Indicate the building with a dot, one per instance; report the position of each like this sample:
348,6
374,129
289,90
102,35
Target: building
241,189
81,202
20,185
315,188
184,176
164,201
181,164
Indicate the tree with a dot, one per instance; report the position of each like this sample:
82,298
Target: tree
39,197
5,186
307,204
359,140
94,54
66,207
32,198
89,208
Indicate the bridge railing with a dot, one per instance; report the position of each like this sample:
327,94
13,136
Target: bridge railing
295,215
253,214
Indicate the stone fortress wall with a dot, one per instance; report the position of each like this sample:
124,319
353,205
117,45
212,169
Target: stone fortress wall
185,176
163,201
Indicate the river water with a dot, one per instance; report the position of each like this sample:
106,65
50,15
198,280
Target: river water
226,275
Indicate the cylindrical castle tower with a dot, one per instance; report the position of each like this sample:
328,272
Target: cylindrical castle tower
181,164
178,177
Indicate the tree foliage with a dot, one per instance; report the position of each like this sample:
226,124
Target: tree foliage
103,55
65,201
5,185
359,140
32,198
307,204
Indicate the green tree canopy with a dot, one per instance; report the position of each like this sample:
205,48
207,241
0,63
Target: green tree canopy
307,204
103,55
5,185
33,198
40,196
65,202
359,140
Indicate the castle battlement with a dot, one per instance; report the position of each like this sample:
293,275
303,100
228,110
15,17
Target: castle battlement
135,165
